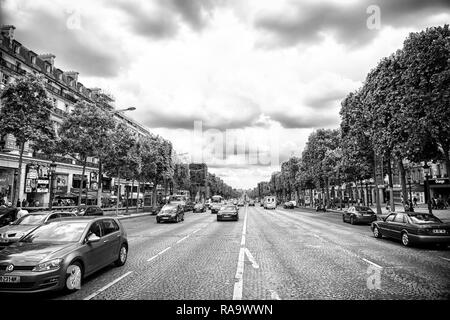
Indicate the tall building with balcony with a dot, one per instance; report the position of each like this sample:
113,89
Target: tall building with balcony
64,89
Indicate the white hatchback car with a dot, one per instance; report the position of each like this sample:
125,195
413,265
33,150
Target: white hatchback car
270,203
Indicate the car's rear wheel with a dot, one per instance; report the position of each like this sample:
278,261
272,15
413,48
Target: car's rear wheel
123,255
376,232
74,276
343,218
405,239
352,220
218,219
157,221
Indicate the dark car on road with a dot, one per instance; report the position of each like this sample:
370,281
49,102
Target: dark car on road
7,215
289,205
17,229
171,212
228,212
189,206
199,207
60,253
412,228
88,211
359,214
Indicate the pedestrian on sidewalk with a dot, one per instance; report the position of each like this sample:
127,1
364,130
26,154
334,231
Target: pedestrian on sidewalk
415,202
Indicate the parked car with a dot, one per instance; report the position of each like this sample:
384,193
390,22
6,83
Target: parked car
17,229
241,203
7,215
84,210
61,253
251,203
412,228
321,207
199,207
228,212
289,205
359,214
171,212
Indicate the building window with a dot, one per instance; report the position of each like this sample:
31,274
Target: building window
33,60
49,68
66,107
17,49
5,79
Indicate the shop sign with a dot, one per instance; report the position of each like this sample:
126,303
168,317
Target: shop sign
440,181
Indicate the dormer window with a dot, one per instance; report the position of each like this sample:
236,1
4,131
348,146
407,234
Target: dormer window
17,49
33,60
48,68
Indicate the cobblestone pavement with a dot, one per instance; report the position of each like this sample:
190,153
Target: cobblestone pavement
267,254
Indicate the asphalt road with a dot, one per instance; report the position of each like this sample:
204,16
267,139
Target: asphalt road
267,254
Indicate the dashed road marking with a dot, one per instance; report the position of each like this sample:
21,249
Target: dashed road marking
252,260
182,239
238,286
160,253
372,263
107,286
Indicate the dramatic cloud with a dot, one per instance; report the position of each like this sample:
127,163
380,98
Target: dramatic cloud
306,23
182,61
77,40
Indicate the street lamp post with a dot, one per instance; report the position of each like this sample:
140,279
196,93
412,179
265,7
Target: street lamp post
52,170
426,171
371,180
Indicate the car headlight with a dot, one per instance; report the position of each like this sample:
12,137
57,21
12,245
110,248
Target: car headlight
48,265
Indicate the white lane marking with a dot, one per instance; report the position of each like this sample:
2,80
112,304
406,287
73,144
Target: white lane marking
445,258
274,295
196,231
158,254
372,263
252,260
237,292
107,286
238,286
182,239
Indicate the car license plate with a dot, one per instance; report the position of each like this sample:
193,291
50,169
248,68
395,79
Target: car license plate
9,279
439,231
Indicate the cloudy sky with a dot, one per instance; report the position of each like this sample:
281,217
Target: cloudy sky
256,76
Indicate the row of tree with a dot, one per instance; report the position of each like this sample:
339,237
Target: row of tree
90,131
401,114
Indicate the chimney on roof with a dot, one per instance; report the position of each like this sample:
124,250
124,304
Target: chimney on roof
49,57
8,31
96,90
72,74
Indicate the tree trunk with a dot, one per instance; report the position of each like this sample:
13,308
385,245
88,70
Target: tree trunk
391,185
100,184
138,193
377,194
327,194
401,169
19,176
80,192
118,192
155,194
